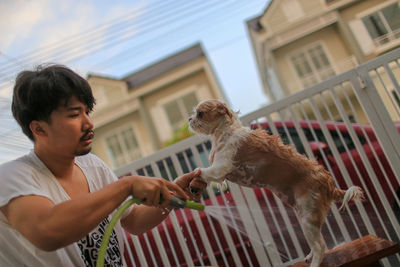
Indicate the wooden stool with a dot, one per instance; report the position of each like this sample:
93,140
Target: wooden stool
363,252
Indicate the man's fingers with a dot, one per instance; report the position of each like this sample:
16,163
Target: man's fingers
191,175
176,188
166,197
157,195
184,180
198,183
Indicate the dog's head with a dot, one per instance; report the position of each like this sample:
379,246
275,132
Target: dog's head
210,115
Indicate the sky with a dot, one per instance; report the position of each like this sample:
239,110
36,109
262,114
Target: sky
116,38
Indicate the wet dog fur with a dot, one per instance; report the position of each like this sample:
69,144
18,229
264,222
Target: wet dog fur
253,158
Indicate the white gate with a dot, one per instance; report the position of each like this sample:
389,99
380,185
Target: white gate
349,123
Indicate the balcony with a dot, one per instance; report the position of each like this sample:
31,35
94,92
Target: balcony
322,74
387,41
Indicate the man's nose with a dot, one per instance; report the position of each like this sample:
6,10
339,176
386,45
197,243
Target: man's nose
88,124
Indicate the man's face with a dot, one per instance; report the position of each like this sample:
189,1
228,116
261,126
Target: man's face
70,130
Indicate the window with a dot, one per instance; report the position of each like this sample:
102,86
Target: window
383,25
179,110
123,147
312,65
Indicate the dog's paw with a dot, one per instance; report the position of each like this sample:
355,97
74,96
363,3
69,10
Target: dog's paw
308,258
198,183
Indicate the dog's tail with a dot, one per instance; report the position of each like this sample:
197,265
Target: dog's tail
344,196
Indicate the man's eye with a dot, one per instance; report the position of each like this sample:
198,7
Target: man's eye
74,115
200,114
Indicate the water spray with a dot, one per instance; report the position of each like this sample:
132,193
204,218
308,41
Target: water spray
176,203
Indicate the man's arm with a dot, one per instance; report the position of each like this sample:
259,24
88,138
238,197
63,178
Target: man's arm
49,226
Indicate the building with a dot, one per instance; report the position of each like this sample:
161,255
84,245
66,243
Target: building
298,43
135,116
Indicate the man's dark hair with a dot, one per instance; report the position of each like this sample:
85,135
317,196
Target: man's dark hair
38,93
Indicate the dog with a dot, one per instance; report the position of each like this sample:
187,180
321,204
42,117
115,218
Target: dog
254,158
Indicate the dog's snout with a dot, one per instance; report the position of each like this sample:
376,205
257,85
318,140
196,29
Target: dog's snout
190,119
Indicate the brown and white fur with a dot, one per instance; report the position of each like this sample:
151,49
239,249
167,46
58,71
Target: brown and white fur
253,158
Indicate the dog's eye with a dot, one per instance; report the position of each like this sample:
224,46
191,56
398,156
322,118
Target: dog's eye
200,114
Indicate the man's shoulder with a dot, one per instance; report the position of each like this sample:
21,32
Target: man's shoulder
25,161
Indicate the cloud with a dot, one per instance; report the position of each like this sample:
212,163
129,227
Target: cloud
18,19
31,25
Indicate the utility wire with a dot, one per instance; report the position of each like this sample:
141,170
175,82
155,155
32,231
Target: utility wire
168,33
13,61
37,53
175,33
75,55
86,46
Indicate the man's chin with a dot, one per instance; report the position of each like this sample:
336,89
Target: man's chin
83,151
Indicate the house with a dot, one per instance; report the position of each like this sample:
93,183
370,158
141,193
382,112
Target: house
298,43
135,116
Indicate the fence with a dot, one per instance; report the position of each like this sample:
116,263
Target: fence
348,123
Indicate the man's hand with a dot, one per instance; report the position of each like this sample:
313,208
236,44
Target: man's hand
193,179
155,192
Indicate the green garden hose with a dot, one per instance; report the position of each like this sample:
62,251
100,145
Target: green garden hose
175,202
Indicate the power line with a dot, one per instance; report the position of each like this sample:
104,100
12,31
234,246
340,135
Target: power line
74,50
171,34
78,37
74,56
139,49
13,60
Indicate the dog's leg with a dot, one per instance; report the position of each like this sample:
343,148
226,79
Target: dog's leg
216,172
311,216
312,232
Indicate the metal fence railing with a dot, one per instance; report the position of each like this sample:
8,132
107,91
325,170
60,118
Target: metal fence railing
349,124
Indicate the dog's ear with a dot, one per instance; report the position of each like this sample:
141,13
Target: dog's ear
223,109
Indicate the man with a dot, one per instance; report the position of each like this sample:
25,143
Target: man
56,201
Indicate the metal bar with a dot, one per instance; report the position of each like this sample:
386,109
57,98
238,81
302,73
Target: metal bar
200,227
392,156
281,208
379,117
156,235
263,228
178,232
319,147
249,225
335,152
139,251
127,248
358,146
387,91
382,169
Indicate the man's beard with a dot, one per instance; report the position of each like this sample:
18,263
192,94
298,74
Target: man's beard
83,151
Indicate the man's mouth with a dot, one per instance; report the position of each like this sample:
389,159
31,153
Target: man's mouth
87,136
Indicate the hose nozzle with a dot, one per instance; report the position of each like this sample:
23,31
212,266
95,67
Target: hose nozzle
180,203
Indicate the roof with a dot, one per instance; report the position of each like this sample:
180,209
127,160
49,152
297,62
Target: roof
161,67
95,75
254,23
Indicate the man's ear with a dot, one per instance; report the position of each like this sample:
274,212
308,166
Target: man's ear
37,128
223,109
